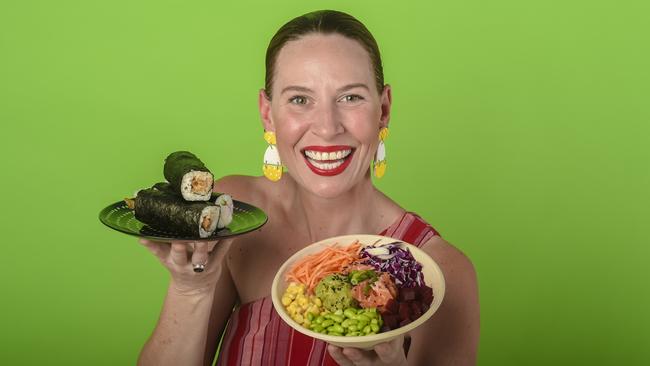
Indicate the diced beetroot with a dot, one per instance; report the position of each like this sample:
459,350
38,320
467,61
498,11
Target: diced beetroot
385,328
404,311
391,321
407,294
426,295
424,307
404,322
391,307
416,309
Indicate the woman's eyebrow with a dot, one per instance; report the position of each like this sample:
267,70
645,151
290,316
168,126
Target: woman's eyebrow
352,86
296,88
339,90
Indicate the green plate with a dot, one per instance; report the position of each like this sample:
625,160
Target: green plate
118,216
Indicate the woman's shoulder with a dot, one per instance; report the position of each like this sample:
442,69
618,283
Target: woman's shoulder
449,257
243,187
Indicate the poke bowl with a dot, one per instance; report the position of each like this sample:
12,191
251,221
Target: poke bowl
357,290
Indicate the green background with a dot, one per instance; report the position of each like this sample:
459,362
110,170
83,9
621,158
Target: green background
519,130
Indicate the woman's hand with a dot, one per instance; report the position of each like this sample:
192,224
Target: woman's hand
182,258
389,354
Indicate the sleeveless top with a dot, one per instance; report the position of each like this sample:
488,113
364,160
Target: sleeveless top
256,335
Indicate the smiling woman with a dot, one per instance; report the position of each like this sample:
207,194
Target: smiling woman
325,110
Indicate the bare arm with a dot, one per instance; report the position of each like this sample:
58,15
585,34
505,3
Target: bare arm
195,309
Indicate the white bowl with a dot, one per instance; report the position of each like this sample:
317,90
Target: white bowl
432,277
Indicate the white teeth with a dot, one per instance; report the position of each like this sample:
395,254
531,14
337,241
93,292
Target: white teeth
334,155
326,166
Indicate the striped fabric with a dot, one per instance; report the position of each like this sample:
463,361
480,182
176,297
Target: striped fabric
256,335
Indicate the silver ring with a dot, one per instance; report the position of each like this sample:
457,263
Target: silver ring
198,267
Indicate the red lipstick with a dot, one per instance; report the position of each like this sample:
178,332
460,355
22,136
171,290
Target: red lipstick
327,149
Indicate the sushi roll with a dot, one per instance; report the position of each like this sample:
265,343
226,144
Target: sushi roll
164,210
188,176
226,206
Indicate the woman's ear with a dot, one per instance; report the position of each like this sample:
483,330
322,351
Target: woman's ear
264,104
386,102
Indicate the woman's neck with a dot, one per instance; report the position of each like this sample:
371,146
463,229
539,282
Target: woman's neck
356,211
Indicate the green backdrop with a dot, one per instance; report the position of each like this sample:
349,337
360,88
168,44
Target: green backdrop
519,130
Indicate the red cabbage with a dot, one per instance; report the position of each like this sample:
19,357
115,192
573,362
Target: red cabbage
406,271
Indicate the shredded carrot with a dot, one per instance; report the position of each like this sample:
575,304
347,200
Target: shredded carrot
313,268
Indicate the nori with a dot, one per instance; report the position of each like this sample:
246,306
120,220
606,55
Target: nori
179,163
162,209
164,187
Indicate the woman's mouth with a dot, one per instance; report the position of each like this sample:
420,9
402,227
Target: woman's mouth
328,160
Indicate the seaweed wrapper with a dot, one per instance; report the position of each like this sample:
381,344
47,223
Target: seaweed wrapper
166,211
179,163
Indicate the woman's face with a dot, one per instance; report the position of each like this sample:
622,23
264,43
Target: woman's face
326,112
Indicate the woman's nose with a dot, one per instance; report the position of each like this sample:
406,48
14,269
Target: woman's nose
327,121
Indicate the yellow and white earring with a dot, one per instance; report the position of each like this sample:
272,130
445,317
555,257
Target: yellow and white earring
380,155
272,167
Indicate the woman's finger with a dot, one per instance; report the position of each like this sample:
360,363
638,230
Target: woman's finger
358,357
179,254
158,248
337,355
200,255
391,353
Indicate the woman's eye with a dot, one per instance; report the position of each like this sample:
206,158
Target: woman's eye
298,100
352,98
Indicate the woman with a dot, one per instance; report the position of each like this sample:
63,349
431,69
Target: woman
323,108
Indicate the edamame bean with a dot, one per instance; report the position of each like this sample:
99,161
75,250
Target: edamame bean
361,325
374,327
327,323
336,328
320,319
318,328
336,318
335,334
345,323
366,329
350,313
352,328
339,312
362,318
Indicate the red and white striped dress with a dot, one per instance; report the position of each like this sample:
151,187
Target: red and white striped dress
256,335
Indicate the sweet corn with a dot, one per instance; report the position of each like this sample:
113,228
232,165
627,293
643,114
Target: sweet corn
292,307
286,300
302,300
298,318
301,306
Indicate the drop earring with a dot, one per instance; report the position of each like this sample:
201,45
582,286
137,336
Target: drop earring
272,166
380,155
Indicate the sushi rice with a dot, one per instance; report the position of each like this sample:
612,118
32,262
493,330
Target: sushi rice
197,185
